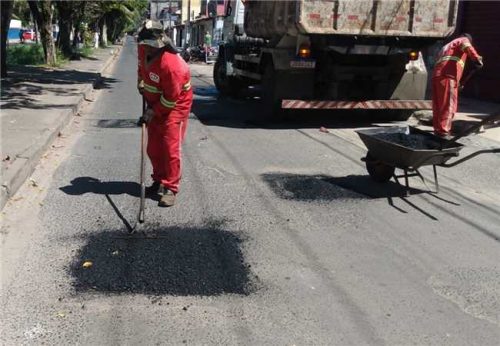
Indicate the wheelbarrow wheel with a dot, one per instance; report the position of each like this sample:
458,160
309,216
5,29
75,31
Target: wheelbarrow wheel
379,171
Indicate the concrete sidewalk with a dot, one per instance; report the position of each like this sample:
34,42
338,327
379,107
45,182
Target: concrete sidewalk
469,112
36,104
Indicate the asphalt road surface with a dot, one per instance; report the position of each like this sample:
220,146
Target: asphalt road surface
278,237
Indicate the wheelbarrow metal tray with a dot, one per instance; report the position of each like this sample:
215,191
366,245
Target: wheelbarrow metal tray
382,144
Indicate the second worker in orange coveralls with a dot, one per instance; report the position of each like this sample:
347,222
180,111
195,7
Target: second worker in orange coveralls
446,81
168,93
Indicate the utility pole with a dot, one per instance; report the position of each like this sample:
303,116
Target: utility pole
188,25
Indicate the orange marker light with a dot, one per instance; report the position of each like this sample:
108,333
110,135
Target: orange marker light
304,51
413,55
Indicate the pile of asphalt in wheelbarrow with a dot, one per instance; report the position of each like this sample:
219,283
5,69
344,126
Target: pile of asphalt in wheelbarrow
175,261
414,141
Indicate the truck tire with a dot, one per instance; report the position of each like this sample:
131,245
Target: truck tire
226,85
270,100
403,114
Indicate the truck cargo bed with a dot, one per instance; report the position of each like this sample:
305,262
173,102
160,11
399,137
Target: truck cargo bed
405,18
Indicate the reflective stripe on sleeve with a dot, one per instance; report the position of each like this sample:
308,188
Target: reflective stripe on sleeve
151,88
166,103
451,58
465,45
186,86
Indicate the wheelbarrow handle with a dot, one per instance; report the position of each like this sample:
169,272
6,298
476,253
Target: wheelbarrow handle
470,156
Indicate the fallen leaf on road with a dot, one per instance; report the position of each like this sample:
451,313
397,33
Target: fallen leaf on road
33,182
203,138
87,264
79,115
17,198
323,129
7,158
61,314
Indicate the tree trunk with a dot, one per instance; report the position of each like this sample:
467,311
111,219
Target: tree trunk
65,12
6,10
80,8
43,17
103,32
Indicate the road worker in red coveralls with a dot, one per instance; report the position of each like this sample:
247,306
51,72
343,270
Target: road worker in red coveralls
446,81
169,96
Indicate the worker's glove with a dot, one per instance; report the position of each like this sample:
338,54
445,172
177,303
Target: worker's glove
140,86
478,64
146,117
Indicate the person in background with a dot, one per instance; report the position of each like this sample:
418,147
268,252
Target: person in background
96,39
208,44
446,79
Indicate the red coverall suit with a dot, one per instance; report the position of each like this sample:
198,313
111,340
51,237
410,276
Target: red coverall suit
167,89
446,79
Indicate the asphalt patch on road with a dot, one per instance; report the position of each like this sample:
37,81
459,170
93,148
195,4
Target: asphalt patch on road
117,123
177,261
327,188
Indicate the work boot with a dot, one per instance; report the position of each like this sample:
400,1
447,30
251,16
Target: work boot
167,197
153,189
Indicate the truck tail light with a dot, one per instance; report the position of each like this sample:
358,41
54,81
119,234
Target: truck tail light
304,51
413,55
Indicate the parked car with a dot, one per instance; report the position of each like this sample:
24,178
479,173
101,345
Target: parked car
29,35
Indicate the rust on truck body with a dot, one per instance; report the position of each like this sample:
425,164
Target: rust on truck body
405,18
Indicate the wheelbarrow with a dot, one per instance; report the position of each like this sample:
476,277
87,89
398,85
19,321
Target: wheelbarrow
408,149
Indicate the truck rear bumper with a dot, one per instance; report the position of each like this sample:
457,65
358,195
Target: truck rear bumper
368,104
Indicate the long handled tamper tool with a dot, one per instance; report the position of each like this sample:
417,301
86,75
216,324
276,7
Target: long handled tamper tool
140,216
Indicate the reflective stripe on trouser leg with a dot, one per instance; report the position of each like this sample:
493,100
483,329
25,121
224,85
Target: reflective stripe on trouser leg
444,98
154,149
175,130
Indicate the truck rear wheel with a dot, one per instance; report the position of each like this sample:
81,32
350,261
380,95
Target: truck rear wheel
402,114
226,85
270,99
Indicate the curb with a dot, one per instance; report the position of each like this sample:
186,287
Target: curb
22,168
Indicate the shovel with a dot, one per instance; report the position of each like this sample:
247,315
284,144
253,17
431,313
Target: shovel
140,215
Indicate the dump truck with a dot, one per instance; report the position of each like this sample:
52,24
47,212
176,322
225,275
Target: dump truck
336,54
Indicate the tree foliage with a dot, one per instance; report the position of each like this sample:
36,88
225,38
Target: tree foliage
6,13
110,18
21,11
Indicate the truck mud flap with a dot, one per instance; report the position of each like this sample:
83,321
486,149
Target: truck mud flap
369,104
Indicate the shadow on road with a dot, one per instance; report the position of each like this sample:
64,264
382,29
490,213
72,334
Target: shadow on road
248,112
203,261
326,188
26,86
320,188
82,185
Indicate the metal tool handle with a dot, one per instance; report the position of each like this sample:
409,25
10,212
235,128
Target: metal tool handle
140,217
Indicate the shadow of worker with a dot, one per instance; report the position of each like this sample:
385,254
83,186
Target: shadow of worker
83,185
